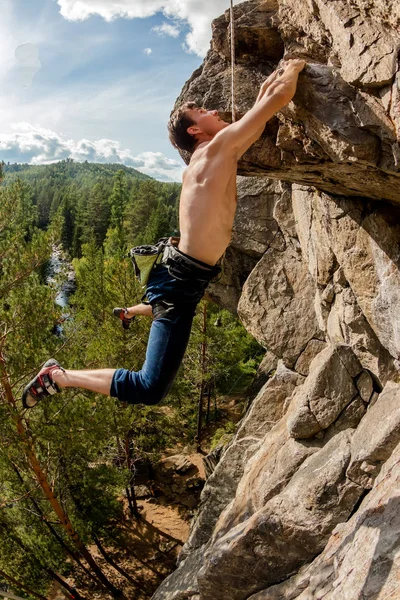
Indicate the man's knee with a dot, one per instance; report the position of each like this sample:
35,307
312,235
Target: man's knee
142,391
153,397
133,388
162,308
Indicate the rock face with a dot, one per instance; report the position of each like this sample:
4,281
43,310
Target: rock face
342,129
303,502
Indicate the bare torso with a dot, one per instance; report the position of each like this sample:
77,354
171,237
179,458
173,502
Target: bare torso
208,203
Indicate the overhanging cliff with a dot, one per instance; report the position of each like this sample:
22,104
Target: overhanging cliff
304,502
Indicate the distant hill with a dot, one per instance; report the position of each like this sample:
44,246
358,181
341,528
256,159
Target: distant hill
94,199
68,169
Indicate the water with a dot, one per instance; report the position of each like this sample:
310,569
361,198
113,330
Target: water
61,277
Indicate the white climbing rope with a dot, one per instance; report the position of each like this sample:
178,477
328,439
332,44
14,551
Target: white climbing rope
232,23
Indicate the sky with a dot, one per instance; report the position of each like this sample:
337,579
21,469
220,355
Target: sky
96,80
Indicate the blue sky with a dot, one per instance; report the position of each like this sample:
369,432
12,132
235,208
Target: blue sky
97,79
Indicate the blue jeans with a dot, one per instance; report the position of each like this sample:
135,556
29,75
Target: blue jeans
169,336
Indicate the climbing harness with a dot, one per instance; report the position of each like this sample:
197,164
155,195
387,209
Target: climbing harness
179,265
232,23
186,268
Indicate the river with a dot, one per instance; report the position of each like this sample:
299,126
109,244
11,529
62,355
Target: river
61,277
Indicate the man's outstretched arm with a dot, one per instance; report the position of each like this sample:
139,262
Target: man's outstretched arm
275,93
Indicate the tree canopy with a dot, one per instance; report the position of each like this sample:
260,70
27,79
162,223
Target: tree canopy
67,464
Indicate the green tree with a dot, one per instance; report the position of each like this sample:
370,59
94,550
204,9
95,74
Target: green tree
118,201
27,312
97,213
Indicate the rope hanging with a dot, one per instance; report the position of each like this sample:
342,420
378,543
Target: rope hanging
232,23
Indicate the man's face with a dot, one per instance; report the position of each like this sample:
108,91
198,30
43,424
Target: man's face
207,121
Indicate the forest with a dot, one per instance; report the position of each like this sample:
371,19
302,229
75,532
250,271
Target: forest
71,524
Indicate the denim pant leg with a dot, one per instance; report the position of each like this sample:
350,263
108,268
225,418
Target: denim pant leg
168,339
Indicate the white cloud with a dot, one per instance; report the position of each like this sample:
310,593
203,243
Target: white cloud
167,29
147,51
197,13
36,145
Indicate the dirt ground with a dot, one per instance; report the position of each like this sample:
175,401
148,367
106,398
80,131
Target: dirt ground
147,548
150,547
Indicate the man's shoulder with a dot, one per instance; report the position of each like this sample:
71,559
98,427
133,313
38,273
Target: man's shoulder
217,145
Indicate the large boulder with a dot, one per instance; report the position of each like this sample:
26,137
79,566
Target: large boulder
277,303
361,558
266,411
289,530
328,389
376,437
358,302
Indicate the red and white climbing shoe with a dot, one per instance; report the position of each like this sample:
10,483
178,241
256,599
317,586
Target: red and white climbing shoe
42,385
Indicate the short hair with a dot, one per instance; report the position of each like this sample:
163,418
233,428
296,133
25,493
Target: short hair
178,125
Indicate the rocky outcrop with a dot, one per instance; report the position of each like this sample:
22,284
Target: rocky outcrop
303,502
342,129
360,559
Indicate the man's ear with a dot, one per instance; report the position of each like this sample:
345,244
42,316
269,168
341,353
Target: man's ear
193,130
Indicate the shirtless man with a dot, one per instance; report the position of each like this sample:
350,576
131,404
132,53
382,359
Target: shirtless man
207,210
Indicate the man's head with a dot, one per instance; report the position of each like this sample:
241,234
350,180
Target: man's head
191,124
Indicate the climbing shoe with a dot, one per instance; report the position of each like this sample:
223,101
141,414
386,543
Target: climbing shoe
42,385
121,313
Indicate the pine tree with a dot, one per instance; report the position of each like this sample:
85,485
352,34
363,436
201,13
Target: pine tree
96,217
26,314
118,201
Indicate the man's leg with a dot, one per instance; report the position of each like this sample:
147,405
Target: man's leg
95,380
127,315
168,339
144,310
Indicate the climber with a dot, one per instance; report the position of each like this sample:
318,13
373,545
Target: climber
178,282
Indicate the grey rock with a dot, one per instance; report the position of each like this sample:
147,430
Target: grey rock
212,459
313,234
255,228
182,583
289,530
220,488
280,291
270,405
313,348
265,371
336,135
365,385
142,491
328,389
376,437
373,399
360,559
367,249
266,475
